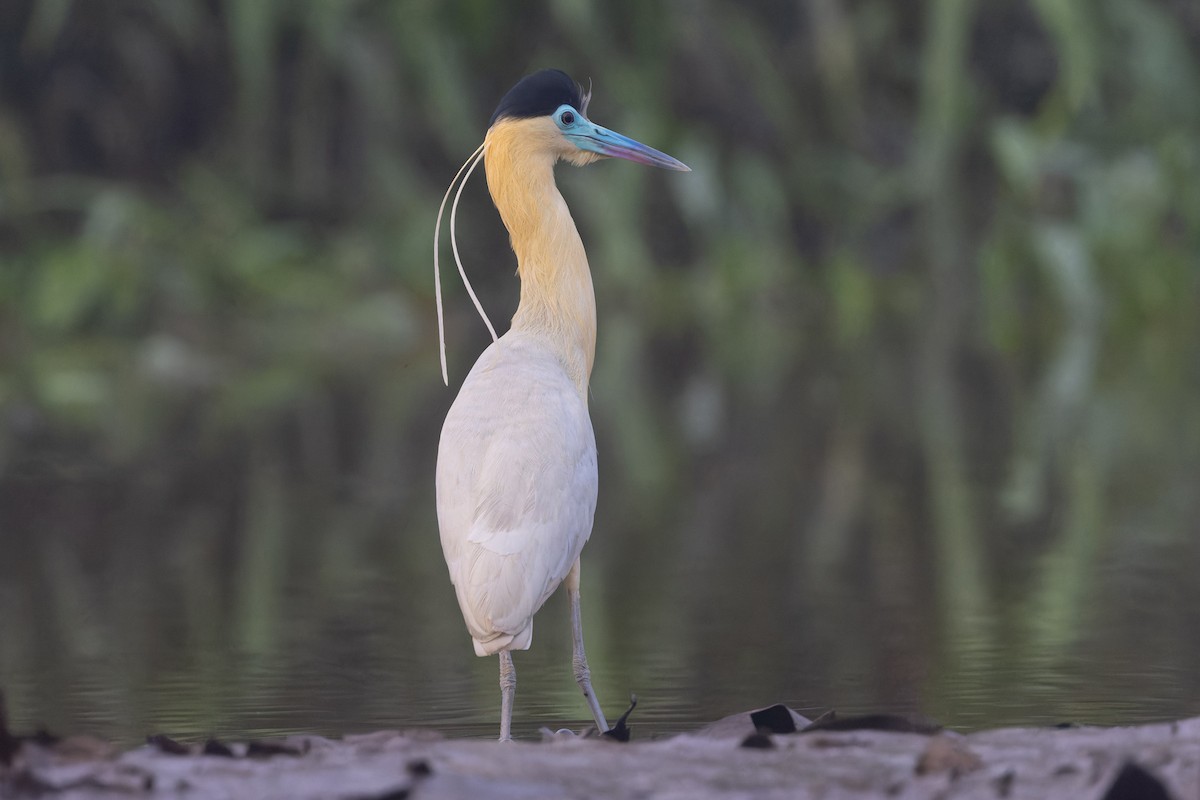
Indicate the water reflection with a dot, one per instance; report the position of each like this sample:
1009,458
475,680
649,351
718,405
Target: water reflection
390,652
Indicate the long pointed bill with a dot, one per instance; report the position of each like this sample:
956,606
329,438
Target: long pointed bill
598,139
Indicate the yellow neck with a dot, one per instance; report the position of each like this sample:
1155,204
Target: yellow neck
557,300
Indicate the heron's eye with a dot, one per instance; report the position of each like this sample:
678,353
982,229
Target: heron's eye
567,118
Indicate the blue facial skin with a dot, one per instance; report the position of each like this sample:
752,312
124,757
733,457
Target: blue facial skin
587,135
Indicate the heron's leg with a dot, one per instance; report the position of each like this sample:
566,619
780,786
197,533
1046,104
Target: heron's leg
508,688
583,675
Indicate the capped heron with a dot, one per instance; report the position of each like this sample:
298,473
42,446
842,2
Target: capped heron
516,468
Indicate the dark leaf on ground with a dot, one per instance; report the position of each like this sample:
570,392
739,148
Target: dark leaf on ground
620,731
1135,782
215,748
773,719
166,744
896,723
739,726
265,748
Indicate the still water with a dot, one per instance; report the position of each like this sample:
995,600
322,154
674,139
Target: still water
151,645
978,562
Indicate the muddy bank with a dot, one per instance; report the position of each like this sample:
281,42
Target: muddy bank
733,758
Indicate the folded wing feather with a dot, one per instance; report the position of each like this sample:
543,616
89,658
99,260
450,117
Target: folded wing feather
516,489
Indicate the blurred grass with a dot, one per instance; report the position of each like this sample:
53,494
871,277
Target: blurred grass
925,314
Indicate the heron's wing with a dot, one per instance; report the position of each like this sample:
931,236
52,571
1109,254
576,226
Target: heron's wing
516,488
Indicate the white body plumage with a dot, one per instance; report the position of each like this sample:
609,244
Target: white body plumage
516,488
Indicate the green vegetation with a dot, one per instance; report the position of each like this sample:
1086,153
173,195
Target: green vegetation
906,372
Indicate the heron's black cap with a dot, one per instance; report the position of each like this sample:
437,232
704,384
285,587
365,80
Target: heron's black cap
538,95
